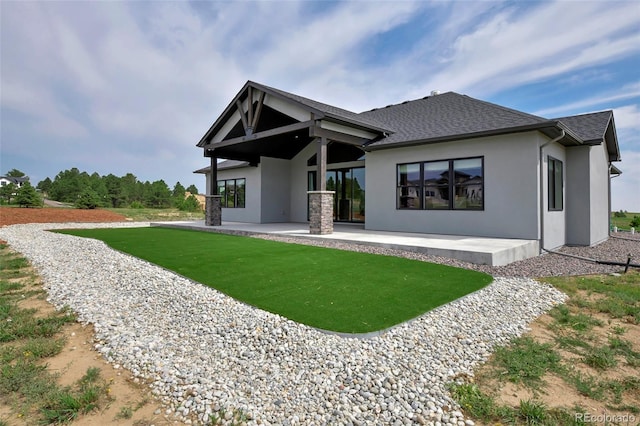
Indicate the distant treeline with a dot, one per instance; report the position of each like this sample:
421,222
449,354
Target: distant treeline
92,190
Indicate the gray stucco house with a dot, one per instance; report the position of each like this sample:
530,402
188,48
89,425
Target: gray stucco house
443,164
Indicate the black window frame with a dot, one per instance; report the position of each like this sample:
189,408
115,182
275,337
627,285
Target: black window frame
239,197
450,190
555,186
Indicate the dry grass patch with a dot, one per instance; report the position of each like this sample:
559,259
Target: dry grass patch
581,359
49,372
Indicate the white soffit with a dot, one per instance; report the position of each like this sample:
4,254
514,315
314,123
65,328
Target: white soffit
287,108
224,131
347,130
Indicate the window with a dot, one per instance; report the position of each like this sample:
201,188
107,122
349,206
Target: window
436,185
555,184
441,185
409,186
232,192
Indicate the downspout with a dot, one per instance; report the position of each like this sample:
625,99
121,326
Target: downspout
610,177
562,135
609,193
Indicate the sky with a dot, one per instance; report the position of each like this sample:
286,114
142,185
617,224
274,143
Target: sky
131,86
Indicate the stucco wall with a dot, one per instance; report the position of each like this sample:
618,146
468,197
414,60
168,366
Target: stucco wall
554,226
578,195
298,177
586,195
510,188
599,165
251,211
276,190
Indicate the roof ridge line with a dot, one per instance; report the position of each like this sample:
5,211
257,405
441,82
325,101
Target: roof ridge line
513,110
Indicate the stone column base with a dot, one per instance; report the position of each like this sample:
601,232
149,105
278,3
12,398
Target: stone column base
321,212
213,210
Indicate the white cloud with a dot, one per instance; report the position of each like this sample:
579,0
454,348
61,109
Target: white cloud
628,91
141,82
549,40
627,118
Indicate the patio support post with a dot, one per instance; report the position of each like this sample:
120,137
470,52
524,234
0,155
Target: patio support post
322,163
321,201
213,206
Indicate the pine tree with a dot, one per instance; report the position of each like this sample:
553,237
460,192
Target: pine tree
28,197
88,199
7,191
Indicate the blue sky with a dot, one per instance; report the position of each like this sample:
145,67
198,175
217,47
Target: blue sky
118,87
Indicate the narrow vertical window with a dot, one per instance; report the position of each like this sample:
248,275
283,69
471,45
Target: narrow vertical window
230,190
408,186
240,194
222,193
436,185
468,184
555,184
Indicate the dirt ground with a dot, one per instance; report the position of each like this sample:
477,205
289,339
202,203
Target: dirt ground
16,215
78,354
556,392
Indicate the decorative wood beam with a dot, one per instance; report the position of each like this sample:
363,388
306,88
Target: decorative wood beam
249,126
318,132
265,134
213,188
256,116
243,117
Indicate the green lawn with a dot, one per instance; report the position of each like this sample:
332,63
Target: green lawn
160,215
325,288
623,220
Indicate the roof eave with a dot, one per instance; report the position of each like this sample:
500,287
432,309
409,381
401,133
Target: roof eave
613,148
358,124
475,135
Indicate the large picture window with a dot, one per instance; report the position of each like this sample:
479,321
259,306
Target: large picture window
456,184
555,179
232,192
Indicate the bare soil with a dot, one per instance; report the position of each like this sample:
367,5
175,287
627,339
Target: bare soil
556,392
78,355
16,215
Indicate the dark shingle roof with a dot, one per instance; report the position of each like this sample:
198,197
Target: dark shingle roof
328,110
444,116
591,128
16,180
224,165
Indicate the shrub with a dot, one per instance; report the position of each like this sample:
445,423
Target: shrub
28,197
635,222
88,199
189,204
619,214
136,205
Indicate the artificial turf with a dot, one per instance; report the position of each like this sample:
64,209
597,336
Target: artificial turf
325,288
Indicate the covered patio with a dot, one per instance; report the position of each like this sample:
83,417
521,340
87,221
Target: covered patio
479,250
263,122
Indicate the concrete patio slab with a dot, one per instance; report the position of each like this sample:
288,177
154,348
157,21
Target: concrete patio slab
480,250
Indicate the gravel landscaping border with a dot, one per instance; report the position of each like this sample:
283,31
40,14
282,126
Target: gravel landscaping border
201,351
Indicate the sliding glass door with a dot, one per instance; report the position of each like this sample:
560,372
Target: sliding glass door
349,187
